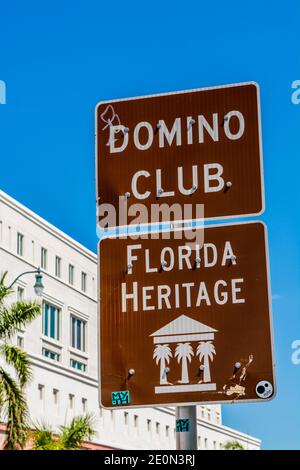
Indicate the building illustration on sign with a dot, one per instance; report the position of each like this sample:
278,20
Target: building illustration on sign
182,332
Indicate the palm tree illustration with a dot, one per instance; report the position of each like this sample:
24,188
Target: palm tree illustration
162,354
184,353
206,350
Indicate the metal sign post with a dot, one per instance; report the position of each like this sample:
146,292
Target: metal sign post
186,427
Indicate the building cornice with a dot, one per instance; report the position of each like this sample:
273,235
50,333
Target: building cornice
232,433
46,273
62,370
43,224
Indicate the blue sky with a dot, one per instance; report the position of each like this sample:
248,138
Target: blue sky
59,59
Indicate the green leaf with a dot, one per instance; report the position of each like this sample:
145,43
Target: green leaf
18,359
17,316
79,431
15,410
233,445
13,406
45,439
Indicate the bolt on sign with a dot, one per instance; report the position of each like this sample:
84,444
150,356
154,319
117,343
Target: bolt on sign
190,148
182,325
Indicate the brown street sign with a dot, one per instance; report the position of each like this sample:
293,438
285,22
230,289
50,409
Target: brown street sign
186,324
189,148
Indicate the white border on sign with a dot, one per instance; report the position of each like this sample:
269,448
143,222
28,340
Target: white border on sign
234,401
178,93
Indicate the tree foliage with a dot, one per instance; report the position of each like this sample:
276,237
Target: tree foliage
233,445
13,406
71,437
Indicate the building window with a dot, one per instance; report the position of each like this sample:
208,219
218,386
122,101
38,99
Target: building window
50,354
78,365
215,445
78,332
55,396
199,442
83,282
202,411
149,425
41,391
157,425
84,404
32,251
71,400
209,414
20,293
167,431
9,237
136,421
220,446
205,443
43,258
20,342
57,266
71,274
20,244
51,321
126,418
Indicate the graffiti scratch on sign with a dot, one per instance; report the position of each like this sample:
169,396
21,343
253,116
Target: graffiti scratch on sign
182,425
239,376
110,118
120,398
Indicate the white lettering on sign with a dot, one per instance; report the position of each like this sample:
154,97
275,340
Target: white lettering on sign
164,293
212,131
185,295
212,181
113,130
241,130
134,181
133,295
213,172
136,137
209,129
181,188
164,133
180,295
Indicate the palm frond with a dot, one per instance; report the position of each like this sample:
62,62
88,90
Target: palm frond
13,406
1,395
17,316
80,430
15,410
4,290
233,445
44,438
18,359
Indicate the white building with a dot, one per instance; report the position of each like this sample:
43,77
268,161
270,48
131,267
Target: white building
62,342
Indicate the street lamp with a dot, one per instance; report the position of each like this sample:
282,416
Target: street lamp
38,286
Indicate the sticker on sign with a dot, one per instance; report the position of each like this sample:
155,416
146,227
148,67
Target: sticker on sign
186,325
178,156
